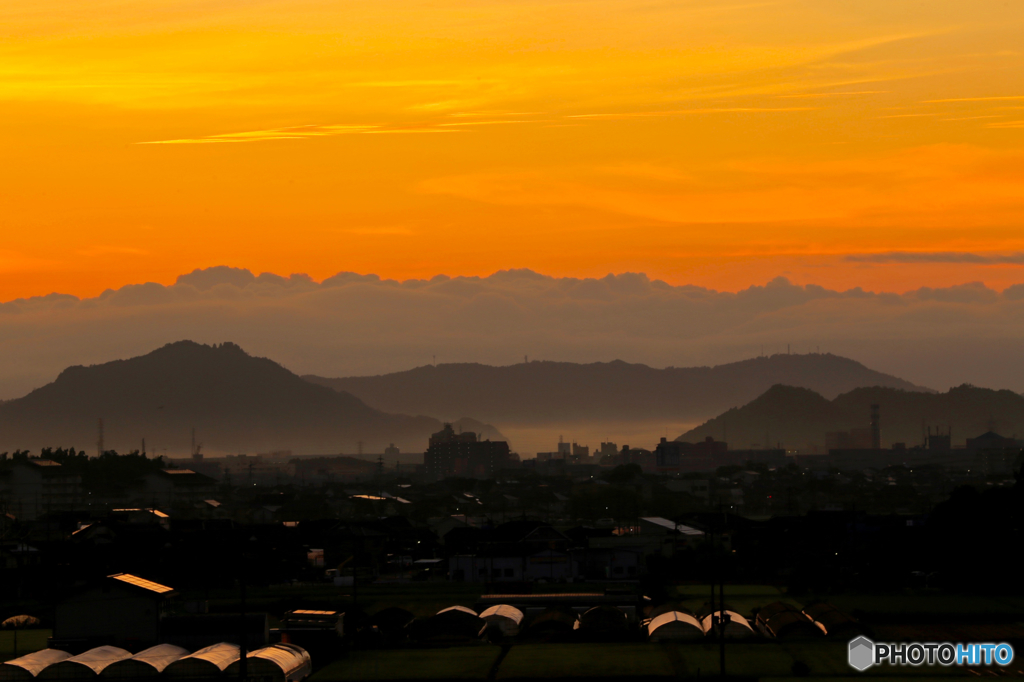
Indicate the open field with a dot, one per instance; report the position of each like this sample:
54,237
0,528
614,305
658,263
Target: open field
456,663
764,660
585,660
929,604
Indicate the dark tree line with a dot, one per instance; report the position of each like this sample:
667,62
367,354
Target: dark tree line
109,473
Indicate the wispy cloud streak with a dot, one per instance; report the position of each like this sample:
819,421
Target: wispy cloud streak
313,131
682,112
817,95
937,257
999,98
301,133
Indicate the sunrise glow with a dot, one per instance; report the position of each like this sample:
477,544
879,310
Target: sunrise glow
873,143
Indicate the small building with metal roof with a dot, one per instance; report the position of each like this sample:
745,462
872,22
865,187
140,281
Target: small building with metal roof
148,663
504,618
85,666
313,619
122,609
29,666
674,626
318,631
275,663
206,664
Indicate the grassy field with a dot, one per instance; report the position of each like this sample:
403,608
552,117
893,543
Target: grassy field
585,660
766,660
929,604
456,663
28,641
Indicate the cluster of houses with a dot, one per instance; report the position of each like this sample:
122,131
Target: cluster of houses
33,488
525,551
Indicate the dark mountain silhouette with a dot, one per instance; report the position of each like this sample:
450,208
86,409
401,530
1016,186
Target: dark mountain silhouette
236,403
798,417
551,392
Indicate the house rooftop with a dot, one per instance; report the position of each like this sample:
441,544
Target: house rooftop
136,581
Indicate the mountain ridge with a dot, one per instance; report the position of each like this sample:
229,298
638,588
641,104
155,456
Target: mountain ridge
544,392
797,418
235,401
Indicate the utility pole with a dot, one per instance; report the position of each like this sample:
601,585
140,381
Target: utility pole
242,653
723,621
355,578
723,617
711,565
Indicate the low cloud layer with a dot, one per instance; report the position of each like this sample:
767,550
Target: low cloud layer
353,324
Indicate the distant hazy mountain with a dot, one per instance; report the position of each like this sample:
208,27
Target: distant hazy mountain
798,417
235,402
551,392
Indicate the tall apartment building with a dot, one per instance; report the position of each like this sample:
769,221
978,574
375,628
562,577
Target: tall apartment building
462,454
30,488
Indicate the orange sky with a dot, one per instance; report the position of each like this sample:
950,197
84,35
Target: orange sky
712,142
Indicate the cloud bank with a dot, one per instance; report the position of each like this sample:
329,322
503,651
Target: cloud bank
354,324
